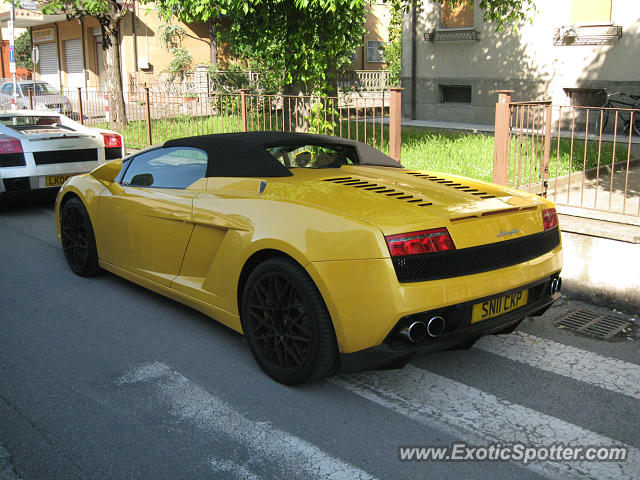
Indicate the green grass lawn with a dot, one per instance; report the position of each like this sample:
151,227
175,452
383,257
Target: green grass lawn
461,153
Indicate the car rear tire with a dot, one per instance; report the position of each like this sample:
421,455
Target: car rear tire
286,323
78,240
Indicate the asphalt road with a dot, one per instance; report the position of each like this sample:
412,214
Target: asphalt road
101,379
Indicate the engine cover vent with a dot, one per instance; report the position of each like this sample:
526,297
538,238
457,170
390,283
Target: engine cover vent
452,184
380,189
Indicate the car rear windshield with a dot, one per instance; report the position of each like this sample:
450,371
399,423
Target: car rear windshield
35,123
329,155
314,156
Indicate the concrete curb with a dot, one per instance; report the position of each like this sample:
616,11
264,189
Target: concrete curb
601,262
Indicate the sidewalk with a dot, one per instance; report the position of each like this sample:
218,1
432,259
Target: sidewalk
601,249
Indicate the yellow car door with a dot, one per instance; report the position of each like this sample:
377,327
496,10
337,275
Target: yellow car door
146,222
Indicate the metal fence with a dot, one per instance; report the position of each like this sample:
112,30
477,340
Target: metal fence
202,80
585,157
154,117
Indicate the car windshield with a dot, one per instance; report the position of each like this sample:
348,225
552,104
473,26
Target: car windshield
314,156
41,88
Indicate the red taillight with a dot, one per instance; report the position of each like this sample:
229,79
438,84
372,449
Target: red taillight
112,140
424,241
10,145
549,218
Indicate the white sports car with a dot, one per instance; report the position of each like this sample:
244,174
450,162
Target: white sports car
40,150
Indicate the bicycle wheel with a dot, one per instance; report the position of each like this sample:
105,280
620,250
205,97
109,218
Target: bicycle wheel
602,116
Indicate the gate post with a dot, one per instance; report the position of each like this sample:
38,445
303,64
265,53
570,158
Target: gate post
544,168
243,107
395,121
501,137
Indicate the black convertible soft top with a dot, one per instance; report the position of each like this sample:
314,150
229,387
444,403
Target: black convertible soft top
245,154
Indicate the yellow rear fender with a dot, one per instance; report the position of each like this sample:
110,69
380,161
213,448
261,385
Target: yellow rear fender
270,248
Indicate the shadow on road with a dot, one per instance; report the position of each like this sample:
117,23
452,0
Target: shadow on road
19,203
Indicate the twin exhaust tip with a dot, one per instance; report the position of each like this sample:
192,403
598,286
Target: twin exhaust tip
418,330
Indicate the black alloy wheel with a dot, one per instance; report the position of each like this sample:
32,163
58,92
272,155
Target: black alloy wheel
286,323
78,241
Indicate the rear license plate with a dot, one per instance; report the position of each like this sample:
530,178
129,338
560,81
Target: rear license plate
498,306
55,180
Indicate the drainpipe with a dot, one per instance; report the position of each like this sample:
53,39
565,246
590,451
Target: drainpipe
84,54
414,21
58,50
2,56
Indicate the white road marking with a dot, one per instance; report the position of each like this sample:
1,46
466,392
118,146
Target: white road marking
238,472
268,444
604,372
430,398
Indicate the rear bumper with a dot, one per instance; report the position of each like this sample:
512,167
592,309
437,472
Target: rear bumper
395,352
15,180
366,301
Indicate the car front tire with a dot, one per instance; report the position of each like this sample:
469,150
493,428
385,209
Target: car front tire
286,323
78,240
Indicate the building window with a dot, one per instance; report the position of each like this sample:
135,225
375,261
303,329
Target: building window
459,15
375,53
590,12
455,93
586,97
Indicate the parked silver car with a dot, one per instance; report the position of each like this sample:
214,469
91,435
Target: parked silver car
45,97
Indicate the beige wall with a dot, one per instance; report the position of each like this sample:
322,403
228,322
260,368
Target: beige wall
526,61
377,26
149,47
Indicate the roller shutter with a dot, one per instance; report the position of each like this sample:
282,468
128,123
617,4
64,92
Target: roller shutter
73,63
49,64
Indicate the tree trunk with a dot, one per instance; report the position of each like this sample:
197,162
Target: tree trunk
213,39
117,113
331,89
295,107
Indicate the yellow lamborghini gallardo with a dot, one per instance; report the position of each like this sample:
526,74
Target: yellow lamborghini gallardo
324,252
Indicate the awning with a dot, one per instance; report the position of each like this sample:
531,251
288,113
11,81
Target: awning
29,18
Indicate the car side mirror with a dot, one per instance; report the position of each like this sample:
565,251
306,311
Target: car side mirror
142,180
108,172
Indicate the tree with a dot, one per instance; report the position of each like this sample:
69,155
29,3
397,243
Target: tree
23,51
204,11
308,41
108,13
393,48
